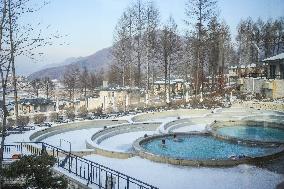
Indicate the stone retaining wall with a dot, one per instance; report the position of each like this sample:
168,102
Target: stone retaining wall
43,134
169,113
274,106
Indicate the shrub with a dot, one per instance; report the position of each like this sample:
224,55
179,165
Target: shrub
53,116
10,122
98,110
83,111
70,113
39,118
23,120
36,171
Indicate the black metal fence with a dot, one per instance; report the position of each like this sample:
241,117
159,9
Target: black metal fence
93,173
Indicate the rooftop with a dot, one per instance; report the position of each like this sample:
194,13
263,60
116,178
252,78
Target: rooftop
172,81
35,101
276,57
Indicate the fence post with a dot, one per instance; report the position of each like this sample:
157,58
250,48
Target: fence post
21,148
127,183
88,174
57,157
100,185
76,165
118,180
69,160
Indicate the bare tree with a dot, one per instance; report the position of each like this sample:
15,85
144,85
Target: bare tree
139,28
218,42
245,40
70,80
122,48
92,83
186,66
4,72
259,39
100,77
115,75
48,86
201,11
23,39
17,39
151,39
170,48
84,80
36,84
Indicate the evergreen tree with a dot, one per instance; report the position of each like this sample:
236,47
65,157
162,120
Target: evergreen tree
36,171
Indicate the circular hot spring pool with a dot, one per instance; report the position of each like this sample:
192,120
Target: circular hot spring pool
263,132
251,132
202,149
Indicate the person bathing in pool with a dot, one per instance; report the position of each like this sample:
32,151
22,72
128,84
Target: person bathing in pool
177,139
163,143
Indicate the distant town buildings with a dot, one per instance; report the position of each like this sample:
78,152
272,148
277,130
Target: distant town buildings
269,83
36,105
177,86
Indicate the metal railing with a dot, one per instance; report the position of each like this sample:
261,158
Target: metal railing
93,173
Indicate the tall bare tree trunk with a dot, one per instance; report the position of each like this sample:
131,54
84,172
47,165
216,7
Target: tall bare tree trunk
4,123
148,72
4,109
12,59
123,76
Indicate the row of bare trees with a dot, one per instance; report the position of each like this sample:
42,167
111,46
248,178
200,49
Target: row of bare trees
145,49
45,84
81,81
135,42
259,39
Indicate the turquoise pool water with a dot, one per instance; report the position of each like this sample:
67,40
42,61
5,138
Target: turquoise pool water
266,134
199,147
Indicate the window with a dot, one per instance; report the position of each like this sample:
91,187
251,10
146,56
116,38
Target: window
272,71
281,71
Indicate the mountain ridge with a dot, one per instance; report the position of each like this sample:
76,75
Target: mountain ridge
94,63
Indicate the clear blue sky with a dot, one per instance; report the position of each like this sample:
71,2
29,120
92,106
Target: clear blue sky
90,23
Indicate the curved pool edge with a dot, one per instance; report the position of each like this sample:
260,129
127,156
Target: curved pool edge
142,152
94,141
212,128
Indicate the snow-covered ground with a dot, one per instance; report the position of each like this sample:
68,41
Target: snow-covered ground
167,176
123,142
198,127
23,137
77,139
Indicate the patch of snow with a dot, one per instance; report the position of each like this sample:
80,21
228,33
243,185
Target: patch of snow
123,142
77,139
164,120
190,128
22,137
167,176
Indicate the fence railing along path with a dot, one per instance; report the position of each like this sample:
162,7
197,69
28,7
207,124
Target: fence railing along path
93,173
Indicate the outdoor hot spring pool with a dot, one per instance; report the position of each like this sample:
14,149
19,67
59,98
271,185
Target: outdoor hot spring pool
255,133
201,147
